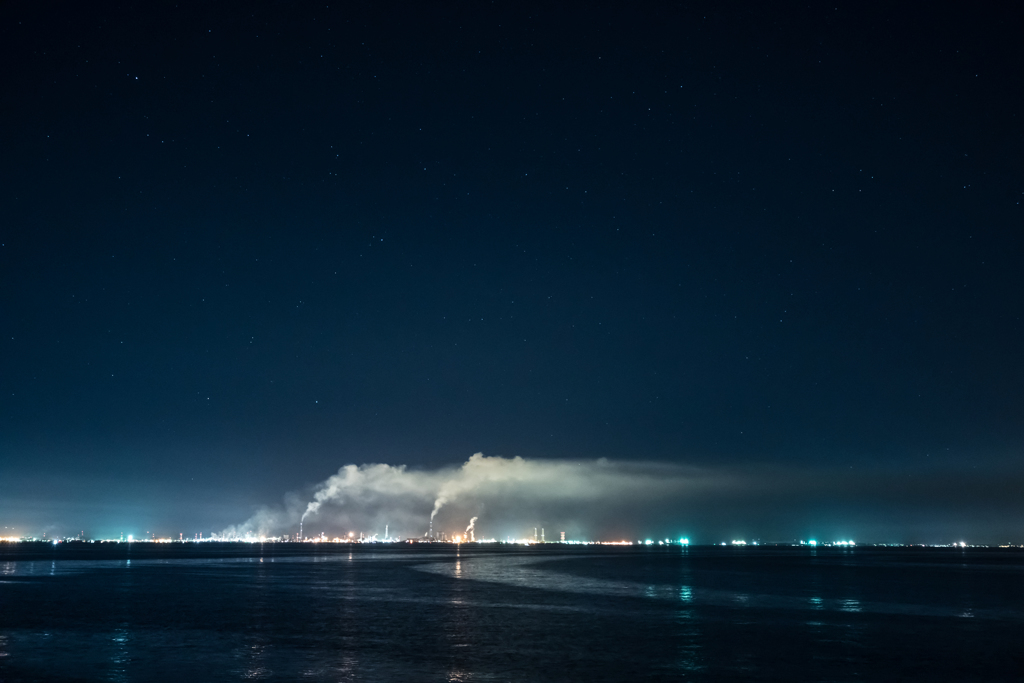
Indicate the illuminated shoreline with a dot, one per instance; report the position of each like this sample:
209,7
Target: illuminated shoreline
341,541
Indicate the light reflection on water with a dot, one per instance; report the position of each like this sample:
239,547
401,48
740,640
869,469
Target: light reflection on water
258,644
459,615
119,657
531,572
256,668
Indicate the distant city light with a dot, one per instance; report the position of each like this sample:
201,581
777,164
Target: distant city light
362,537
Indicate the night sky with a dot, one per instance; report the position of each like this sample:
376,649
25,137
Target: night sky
245,245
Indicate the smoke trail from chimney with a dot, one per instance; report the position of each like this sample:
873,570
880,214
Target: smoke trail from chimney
437,506
469,529
373,494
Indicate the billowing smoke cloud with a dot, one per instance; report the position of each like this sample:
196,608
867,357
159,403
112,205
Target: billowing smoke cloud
471,527
615,499
508,493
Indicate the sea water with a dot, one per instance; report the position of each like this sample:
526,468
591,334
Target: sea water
221,612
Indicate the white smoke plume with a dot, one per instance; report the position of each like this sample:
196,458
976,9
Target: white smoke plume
469,529
602,499
510,491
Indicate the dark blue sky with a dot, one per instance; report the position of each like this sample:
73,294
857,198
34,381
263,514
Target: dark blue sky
244,245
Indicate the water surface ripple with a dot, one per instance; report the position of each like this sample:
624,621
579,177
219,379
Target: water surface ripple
551,613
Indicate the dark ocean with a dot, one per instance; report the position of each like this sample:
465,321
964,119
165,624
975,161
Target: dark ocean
551,613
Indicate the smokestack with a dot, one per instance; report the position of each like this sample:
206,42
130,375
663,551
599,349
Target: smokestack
300,529
535,534
542,534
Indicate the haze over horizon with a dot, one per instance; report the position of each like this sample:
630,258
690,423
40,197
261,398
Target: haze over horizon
756,272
